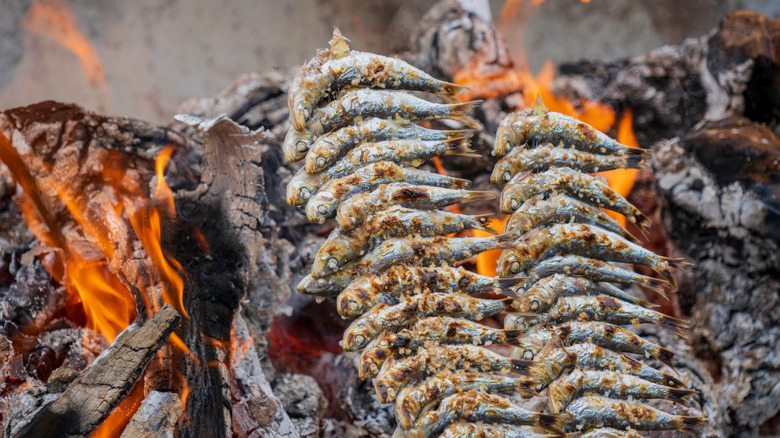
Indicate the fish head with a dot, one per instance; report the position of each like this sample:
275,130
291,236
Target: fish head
318,286
331,256
321,207
353,302
372,358
302,107
506,139
502,172
322,153
359,334
300,190
349,212
510,263
510,201
296,144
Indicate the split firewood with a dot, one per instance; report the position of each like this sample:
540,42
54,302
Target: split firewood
89,399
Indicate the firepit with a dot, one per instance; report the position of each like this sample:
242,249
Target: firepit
147,272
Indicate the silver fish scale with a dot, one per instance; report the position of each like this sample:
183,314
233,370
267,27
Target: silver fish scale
423,344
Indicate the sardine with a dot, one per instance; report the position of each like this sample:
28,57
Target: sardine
397,374
537,211
611,384
490,430
479,406
534,127
585,240
539,159
439,330
545,293
328,148
587,188
587,356
602,334
359,69
364,103
402,280
598,271
606,309
600,411
344,246
413,399
385,317
324,203
608,432
354,211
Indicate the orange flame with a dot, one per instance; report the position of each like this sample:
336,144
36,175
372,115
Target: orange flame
54,20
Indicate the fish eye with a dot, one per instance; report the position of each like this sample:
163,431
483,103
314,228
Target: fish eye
332,264
528,355
507,175
304,193
513,203
507,145
321,209
514,268
301,146
322,282
534,305
353,306
306,113
359,339
320,161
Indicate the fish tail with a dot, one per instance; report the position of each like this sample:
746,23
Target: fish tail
670,380
657,285
460,146
483,222
459,112
639,219
459,183
474,195
678,395
449,88
453,134
521,366
686,424
512,337
675,325
552,423
664,356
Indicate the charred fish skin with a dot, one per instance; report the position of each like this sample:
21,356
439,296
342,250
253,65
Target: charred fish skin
412,400
573,183
593,410
538,212
542,126
402,280
580,239
354,211
326,150
464,429
397,374
344,246
323,204
348,68
609,383
541,158
479,406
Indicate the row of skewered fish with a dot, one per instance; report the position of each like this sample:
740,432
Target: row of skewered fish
392,267
573,309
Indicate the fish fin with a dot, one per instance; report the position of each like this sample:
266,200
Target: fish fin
338,45
686,424
449,88
670,380
678,395
474,195
665,356
639,219
458,112
539,108
483,221
675,325
458,133
522,367
552,423
460,183
460,146
637,162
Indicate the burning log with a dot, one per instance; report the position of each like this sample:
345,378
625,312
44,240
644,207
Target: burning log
87,401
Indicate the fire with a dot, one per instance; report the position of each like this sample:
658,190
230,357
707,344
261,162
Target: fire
54,20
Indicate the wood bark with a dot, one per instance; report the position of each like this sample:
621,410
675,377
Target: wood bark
89,399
